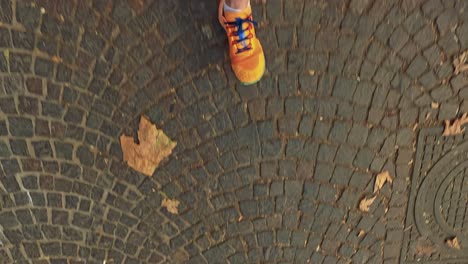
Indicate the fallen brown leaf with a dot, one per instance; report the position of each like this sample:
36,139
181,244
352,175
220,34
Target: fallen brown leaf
434,105
153,148
365,204
460,63
456,127
311,72
453,243
170,205
425,247
381,179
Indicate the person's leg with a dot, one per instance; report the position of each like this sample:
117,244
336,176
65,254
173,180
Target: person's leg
238,4
245,50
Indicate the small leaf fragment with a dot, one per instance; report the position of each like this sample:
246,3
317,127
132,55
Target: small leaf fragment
453,243
170,205
425,247
460,63
241,217
455,127
56,59
434,105
381,179
365,204
361,233
311,72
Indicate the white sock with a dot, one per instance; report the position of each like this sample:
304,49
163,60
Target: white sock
232,10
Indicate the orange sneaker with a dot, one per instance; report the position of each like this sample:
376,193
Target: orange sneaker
245,50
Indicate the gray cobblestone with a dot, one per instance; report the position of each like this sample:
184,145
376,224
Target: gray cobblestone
42,149
21,127
28,105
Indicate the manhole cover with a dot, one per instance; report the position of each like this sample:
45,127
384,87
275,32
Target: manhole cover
437,209
452,199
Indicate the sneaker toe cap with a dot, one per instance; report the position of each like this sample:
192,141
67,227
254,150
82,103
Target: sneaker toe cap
251,69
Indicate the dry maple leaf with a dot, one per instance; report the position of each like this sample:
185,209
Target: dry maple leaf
456,127
453,243
153,148
381,179
365,203
170,205
460,63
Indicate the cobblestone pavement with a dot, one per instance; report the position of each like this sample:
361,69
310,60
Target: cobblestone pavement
271,173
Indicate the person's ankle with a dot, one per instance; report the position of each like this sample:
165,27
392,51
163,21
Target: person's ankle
237,4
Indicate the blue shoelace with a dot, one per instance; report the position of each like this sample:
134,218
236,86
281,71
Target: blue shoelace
241,32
